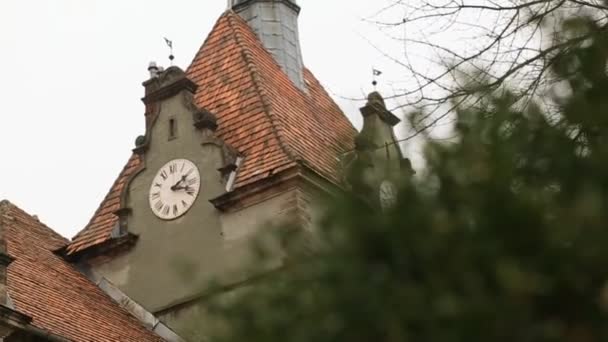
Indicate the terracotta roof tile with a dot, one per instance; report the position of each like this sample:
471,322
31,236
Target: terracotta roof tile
58,298
260,112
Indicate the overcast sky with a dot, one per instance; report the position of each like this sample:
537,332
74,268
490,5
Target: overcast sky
71,86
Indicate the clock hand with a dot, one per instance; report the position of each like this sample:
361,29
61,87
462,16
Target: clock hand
187,187
175,186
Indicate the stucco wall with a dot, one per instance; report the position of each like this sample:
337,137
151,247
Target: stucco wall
193,320
174,260
223,260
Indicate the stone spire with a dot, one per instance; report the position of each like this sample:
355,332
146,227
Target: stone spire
377,165
275,22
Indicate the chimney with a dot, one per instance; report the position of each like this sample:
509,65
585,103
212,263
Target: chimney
153,70
275,22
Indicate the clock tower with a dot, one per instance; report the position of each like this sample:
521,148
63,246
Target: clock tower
377,165
242,140
165,203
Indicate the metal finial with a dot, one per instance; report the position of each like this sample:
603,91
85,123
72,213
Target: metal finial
375,73
170,45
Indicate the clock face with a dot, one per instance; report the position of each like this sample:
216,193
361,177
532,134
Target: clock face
388,194
174,189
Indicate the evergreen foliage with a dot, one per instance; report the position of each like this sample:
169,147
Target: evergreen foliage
503,237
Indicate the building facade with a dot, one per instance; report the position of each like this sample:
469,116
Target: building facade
242,140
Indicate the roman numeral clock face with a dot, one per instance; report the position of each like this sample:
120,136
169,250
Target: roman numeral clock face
174,189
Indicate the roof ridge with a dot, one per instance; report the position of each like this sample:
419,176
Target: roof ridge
255,76
6,207
199,51
323,89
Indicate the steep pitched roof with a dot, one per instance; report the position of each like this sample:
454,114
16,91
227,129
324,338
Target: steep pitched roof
260,113
58,297
100,227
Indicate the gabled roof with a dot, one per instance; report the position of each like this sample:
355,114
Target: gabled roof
260,113
60,299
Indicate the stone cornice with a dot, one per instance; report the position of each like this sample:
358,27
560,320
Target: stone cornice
278,183
169,90
238,197
112,245
384,114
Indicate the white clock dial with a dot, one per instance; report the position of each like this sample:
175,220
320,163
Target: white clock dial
174,189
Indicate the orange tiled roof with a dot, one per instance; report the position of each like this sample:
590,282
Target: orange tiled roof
58,298
260,112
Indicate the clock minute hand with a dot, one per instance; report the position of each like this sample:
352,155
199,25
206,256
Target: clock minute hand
175,186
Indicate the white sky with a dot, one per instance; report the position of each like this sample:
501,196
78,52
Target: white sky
71,86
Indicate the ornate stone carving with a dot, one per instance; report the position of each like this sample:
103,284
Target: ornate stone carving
169,83
204,119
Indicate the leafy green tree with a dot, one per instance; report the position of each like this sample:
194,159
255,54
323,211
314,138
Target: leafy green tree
503,237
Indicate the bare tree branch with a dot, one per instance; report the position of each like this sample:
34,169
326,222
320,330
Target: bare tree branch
498,41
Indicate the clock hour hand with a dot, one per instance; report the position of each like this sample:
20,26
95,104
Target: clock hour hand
175,186
183,188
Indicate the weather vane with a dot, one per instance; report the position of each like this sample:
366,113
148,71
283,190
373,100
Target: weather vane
375,73
170,45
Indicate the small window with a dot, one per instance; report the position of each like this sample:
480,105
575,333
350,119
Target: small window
172,128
